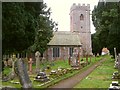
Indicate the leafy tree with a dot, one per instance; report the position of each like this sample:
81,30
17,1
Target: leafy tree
96,44
105,18
44,32
25,25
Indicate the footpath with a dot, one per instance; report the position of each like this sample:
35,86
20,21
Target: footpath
72,81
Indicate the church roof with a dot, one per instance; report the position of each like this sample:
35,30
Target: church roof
65,38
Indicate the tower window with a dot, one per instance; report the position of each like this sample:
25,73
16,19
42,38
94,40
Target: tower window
81,27
81,17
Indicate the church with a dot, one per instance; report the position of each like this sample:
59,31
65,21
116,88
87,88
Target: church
63,43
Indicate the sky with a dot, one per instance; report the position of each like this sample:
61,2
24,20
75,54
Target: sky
60,12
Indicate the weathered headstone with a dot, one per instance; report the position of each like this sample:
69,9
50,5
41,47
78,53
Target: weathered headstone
43,59
12,75
13,61
115,54
30,65
97,55
74,59
37,57
119,62
18,55
21,71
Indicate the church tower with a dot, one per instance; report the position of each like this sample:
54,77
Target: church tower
80,23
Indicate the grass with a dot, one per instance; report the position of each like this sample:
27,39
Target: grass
54,65
101,77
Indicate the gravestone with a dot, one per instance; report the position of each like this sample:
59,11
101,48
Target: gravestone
119,62
13,58
97,55
43,60
21,71
74,59
115,54
116,64
37,57
10,62
30,65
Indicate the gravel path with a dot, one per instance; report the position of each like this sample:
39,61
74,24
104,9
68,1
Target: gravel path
72,81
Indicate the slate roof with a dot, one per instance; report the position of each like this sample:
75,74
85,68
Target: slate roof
65,38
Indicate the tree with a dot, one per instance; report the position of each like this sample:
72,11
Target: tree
95,44
105,18
18,28
44,32
21,24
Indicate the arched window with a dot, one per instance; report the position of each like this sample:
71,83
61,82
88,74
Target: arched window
81,17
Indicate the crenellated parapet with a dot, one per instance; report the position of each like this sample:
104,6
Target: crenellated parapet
78,6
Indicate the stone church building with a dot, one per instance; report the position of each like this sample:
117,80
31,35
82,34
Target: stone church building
63,43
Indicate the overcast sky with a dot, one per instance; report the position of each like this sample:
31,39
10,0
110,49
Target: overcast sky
61,8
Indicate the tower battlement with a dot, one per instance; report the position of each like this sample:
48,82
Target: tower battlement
83,7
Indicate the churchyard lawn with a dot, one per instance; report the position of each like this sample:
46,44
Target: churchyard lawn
53,80
101,77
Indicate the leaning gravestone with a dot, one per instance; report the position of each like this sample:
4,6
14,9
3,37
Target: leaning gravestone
21,71
37,57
